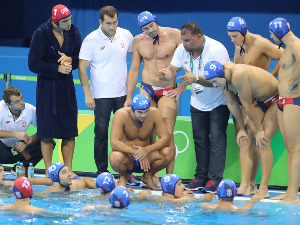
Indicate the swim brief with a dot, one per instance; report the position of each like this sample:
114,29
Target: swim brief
287,101
266,104
155,92
136,167
237,96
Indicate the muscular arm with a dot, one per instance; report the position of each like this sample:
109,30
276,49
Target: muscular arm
234,108
246,98
272,51
116,133
14,134
134,69
161,131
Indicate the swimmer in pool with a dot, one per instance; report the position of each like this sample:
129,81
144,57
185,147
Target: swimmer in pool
22,189
60,177
130,138
105,183
174,190
226,192
3,183
118,198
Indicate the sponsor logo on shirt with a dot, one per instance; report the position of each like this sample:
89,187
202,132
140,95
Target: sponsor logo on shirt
7,121
102,48
185,62
122,44
23,124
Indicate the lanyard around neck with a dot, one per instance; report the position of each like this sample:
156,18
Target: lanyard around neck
191,57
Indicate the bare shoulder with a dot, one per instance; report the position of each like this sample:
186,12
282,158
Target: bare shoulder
122,112
261,42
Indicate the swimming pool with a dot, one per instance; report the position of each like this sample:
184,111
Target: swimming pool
69,209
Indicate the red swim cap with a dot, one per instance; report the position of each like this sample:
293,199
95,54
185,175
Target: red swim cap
59,12
22,188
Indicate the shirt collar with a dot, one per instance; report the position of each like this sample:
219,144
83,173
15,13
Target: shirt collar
104,37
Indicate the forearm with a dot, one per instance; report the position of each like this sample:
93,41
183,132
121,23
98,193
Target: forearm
34,138
8,134
276,70
131,82
84,80
159,144
203,81
120,146
250,110
237,114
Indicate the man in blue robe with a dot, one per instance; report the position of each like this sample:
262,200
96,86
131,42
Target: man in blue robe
53,55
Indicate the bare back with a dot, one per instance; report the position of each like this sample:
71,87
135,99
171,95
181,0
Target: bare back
157,56
288,85
244,79
259,52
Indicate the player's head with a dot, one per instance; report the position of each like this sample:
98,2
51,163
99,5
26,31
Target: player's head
140,106
119,197
59,172
22,188
61,16
172,184
213,71
148,23
237,30
105,182
278,28
226,189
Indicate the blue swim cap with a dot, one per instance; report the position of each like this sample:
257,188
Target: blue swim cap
146,17
53,171
105,182
213,69
226,189
237,24
279,27
168,183
119,197
140,102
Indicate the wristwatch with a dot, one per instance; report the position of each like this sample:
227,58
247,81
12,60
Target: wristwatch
197,78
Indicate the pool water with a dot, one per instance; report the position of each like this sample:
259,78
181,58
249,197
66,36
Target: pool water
69,209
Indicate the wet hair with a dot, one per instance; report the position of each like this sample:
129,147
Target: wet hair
192,27
227,199
9,92
108,10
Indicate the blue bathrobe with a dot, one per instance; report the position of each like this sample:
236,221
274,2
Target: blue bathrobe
56,104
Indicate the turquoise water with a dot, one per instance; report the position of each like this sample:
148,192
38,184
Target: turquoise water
68,208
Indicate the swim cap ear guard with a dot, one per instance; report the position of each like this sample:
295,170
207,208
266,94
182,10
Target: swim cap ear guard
22,188
226,189
140,102
105,182
279,27
145,18
119,197
59,12
213,69
168,183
